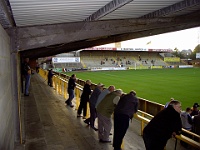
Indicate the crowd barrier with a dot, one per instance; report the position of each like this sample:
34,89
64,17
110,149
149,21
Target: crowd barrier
147,109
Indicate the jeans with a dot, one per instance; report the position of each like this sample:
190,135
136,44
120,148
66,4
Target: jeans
71,96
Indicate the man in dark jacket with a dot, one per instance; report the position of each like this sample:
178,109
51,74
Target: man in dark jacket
84,99
26,72
92,101
166,124
70,90
50,75
126,107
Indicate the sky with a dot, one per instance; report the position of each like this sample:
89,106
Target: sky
183,40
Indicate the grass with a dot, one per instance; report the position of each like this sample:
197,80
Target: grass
157,85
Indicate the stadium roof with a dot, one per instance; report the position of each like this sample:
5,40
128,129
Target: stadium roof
41,12
33,13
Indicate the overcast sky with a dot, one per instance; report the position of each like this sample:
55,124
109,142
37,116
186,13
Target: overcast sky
184,39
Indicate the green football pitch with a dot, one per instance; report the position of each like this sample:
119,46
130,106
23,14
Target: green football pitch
157,85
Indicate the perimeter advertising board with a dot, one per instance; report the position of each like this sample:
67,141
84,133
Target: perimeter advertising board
171,59
65,60
139,49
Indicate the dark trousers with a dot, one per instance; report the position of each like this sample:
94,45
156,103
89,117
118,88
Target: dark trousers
71,96
50,81
93,116
121,124
154,143
27,83
82,106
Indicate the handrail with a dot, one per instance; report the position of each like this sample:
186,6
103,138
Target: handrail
141,117
192,134
188,141
180,137
142,112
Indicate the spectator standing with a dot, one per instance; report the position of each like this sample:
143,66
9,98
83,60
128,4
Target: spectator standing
163,126
84,99
196,125
104,93
126,107
186,123
92,102
70,89
26,72
50,75
37,68
187,119
104,112
195,110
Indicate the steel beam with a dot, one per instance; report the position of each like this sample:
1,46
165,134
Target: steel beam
64,48
6,19
175,9
108,8
44,41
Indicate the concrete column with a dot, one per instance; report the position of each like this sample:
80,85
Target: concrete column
15,78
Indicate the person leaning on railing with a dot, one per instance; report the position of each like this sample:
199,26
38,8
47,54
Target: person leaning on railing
123,113
166,124
84,99
104,112
186,123
70,90
92,102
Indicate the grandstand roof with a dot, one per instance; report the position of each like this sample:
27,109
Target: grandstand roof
36,12
42,28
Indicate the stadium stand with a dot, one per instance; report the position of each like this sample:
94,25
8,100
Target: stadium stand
120,58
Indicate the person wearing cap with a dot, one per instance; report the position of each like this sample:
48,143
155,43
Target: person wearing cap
84,99
126,107
92,102
104,112
195,110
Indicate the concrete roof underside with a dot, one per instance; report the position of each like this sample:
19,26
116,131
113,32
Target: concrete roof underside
40,28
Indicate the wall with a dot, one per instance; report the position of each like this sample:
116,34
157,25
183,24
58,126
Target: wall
7,131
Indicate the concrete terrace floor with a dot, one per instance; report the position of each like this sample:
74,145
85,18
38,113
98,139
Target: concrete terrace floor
48,124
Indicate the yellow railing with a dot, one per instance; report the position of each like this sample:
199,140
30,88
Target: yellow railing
60,85
147,110
145,119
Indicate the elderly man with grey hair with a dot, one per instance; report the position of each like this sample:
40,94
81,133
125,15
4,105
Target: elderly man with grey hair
110,89
104,112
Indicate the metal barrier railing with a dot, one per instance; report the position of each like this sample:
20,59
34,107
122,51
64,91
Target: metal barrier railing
147,109
60,85
145,119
